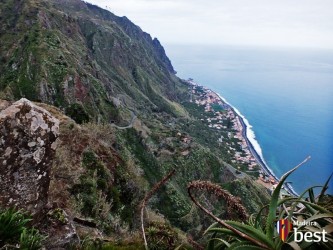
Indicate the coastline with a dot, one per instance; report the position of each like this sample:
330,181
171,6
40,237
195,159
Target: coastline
257,155
244,133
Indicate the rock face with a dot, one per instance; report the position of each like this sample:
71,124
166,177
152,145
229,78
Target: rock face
116,59
28,138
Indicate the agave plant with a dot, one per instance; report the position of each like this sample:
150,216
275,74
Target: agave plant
259,231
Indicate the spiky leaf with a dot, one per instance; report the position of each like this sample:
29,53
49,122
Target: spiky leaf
252,232
274,202
324,188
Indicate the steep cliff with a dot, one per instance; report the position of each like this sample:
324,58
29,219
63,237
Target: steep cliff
75,59
77,56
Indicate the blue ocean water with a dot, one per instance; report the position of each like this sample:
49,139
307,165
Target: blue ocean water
286,95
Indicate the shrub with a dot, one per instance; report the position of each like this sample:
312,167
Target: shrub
12,224
77,113
31,239
14,231
161,236
259,232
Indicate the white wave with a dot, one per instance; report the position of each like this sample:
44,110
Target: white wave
249,134
252,138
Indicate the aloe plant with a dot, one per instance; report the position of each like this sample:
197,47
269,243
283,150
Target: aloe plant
258,231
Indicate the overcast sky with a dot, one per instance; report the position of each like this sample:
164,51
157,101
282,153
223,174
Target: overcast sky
300,23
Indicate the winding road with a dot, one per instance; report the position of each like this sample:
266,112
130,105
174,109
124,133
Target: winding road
130,125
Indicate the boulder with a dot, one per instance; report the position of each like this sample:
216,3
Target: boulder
4,104
28,139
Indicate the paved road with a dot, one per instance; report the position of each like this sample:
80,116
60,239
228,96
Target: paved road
236,173
130,125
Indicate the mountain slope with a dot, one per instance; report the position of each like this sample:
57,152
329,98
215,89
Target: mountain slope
99,69
62,56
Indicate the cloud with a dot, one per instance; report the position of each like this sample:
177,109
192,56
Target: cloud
302,23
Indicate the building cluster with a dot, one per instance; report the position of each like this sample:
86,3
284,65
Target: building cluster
246,157
267,178
224,119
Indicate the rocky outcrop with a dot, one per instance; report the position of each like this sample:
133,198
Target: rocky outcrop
28,139
87,56
161,55
4,104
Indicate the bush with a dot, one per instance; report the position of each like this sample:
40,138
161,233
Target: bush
77,113
161,236
14,231
259,232
31,239
12,224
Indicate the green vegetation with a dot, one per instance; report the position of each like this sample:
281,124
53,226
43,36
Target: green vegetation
100,68
77,113
58,215
161,236
203,134
92,244
14,230
31,239
259,232
103,199
94,192
217,107
147,160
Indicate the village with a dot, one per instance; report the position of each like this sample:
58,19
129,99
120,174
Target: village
222,117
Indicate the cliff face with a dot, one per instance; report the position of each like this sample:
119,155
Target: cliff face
69,52
137,124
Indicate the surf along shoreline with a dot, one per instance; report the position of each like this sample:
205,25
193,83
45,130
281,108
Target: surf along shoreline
246,130
260,161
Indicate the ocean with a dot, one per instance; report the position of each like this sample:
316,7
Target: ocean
286,95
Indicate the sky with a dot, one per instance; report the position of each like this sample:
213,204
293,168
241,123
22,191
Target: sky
272,23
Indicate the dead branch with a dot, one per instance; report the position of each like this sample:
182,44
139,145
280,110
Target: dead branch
146,199
217,190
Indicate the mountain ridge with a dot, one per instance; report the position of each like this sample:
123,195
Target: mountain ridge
75,59
104,58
